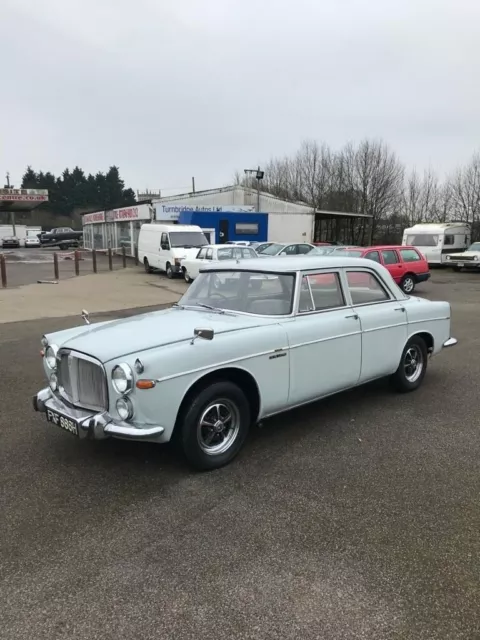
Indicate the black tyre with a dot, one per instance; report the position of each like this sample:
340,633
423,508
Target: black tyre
169,270
148,268
408,284
413,366
214,425
186,276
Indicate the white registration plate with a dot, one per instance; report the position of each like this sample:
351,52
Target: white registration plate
62,421
460,264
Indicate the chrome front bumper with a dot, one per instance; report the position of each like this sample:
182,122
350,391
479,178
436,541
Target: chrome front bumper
97,426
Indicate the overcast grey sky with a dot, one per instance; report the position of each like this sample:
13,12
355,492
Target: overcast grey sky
167,89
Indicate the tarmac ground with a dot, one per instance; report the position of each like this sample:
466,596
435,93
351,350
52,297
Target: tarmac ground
355,517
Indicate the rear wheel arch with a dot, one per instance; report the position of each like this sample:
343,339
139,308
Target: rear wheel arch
426,337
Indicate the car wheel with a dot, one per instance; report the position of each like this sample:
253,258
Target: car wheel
408,284
214,426
146,264
186,276
169,270
412,367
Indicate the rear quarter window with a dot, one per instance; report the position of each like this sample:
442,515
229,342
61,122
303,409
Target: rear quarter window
410,255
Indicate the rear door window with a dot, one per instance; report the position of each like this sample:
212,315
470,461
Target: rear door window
409,255
390,256
304,248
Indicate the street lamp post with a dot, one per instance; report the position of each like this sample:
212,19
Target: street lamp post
259,176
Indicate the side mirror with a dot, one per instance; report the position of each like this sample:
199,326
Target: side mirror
205,334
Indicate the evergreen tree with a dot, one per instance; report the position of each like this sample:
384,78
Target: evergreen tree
73,190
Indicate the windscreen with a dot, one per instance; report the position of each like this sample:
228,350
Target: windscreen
271,250
187,239
244,291
423,240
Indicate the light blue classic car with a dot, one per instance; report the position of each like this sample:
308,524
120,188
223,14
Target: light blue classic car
237,349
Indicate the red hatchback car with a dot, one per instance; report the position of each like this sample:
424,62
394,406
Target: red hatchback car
406,265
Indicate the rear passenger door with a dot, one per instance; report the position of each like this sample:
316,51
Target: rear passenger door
324,339
383,323
393,263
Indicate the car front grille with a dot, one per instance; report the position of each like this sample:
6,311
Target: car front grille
81,380
463,258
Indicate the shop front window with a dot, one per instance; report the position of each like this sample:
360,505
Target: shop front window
98,236
124,236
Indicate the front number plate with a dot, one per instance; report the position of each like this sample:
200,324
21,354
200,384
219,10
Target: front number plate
62,421
460,264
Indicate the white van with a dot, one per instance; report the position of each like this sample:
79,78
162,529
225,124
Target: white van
436,240
163,246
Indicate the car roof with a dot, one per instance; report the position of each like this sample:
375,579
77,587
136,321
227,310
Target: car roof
377,247
293,264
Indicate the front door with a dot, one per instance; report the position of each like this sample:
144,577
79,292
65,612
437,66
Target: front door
223,231
383,322
325,340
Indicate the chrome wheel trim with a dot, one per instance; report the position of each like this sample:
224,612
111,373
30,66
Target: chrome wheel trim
218,427
413,363
408,285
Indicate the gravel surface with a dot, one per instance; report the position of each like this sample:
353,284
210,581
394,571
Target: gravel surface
356,517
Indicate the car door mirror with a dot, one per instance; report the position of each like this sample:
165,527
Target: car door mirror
204,333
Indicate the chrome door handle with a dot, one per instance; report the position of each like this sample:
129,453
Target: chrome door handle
354,316
400,309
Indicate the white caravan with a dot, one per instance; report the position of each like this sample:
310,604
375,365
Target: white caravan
437,240
163,246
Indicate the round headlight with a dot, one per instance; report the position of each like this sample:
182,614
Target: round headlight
122,378
475,257
53,382
448,258
51,357
124,408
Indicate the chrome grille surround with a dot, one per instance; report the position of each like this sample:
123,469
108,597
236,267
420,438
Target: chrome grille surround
82,380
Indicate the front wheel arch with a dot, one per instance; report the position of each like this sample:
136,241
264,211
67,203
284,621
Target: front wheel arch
242,378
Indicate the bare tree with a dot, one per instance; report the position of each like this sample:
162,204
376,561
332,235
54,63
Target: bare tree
464,191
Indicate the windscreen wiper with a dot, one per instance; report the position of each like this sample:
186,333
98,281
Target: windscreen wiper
209,307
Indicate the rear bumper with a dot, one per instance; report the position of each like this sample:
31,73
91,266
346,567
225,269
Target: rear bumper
422,277
451,342
96,426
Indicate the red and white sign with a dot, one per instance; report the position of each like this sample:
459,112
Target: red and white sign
23,195
90,218
142,212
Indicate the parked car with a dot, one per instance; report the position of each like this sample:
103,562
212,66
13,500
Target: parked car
285,249
32,241
406,265
205,370
469,259
191,266
163,246
10,242
62,237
